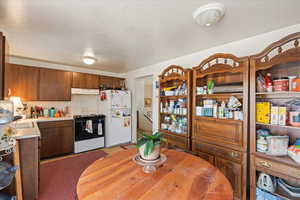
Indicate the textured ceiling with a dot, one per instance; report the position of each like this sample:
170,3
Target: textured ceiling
128,34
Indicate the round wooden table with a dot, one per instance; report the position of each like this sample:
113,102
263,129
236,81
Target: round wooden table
182,176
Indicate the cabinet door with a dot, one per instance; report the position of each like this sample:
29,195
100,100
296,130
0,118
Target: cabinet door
86,81
55,85
57,138
21,81
92,81
29,159
233,172
111,82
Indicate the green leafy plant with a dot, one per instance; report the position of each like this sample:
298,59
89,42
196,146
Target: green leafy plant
150,141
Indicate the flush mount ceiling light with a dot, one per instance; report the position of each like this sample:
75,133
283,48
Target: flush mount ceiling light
89,60
209,14
88,56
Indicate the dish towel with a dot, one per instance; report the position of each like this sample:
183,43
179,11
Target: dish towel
89,126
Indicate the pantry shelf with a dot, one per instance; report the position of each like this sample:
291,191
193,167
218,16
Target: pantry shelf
180,115
267,70
278,126
175,80
218,119
220,95
174,97
279,95
173,133
280,159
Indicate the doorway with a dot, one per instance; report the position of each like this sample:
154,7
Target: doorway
144,105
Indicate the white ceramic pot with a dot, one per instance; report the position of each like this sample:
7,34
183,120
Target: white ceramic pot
153,155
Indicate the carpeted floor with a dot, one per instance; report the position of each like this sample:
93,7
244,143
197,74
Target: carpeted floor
58,178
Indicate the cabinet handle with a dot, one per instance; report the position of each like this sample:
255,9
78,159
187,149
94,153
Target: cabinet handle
233,154
265,164
9,92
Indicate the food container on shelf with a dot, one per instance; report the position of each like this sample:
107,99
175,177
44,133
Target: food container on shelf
295,118
169,93
281,84
294,151
277,145
291,78
296,85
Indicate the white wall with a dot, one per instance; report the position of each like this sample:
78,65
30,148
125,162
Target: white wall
239,48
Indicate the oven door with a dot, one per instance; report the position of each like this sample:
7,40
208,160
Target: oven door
88,128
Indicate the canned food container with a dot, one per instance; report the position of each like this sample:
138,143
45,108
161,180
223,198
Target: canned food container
280,85
296,85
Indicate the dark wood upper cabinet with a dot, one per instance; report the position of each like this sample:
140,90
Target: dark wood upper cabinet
85,81
21,81
109,82
55,85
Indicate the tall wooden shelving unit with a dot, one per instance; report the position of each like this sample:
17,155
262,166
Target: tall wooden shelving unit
175,76
223,142
281,59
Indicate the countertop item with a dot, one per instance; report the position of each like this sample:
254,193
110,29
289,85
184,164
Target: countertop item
183,176
28,128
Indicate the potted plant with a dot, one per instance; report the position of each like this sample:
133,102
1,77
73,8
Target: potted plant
149,145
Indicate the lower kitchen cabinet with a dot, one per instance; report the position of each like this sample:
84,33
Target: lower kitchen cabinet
57,138
177,141
233,171
29,166
228,161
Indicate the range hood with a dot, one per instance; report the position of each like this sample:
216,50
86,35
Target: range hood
85,91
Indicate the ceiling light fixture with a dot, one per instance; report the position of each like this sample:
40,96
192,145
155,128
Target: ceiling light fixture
89,60
209,14
88,56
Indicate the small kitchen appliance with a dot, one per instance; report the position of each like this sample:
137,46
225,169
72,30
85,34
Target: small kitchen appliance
89,132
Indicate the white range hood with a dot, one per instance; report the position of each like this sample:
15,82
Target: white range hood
85,91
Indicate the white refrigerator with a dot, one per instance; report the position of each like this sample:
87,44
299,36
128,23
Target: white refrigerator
116,106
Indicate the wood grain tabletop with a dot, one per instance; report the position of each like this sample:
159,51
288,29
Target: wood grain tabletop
181,177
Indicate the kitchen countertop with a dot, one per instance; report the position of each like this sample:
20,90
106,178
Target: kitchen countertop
28,128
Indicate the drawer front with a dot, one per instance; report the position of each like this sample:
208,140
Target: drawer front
54,124
277,167
217,151
177,141
227,133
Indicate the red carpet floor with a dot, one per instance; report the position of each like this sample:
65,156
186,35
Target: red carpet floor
59,178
